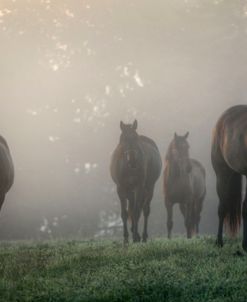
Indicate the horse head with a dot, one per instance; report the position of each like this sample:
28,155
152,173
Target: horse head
129,140
179,152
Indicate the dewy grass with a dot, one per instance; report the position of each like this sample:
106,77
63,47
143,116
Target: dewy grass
161,270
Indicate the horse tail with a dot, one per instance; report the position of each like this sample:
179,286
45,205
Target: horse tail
233,206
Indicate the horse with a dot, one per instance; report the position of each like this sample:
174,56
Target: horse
135,167
229,160
6,170
184,183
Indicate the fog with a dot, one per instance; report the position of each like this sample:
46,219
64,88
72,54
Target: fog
71,70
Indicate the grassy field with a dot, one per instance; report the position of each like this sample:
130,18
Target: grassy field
161,270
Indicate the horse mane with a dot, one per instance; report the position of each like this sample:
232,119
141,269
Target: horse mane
169,150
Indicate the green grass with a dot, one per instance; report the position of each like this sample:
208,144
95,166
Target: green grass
161,270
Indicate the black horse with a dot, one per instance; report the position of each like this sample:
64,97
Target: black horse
135,167
6,170
229,159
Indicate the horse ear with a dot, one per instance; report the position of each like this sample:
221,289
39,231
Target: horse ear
175,135
134,126
186,135
121,125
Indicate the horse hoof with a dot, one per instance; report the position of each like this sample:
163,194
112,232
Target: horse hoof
126,241
244,245
238,254
144,239
219,243
189,234
137,238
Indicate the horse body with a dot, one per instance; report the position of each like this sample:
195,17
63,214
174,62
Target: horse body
6,170
184,183
135,168
229,160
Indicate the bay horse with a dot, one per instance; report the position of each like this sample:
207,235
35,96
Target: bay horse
6,170
229,160
184,183
135,167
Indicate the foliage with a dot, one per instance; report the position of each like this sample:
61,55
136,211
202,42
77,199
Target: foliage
161,270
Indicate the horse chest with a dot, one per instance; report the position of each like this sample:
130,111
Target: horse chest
179,190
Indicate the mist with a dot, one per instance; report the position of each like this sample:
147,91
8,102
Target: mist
71,70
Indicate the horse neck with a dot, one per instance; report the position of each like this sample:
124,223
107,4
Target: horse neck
178,169
138,148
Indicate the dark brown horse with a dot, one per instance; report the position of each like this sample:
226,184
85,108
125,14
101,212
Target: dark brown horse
229,159
6,170
184,183
135,167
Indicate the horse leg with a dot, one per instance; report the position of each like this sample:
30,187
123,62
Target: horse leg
222,189
188,226
131,198
197,224
197,218
124,214
169,208
183,211
244,215
146,212
229,187
2,197
198,214
137,213
221,215
189,218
